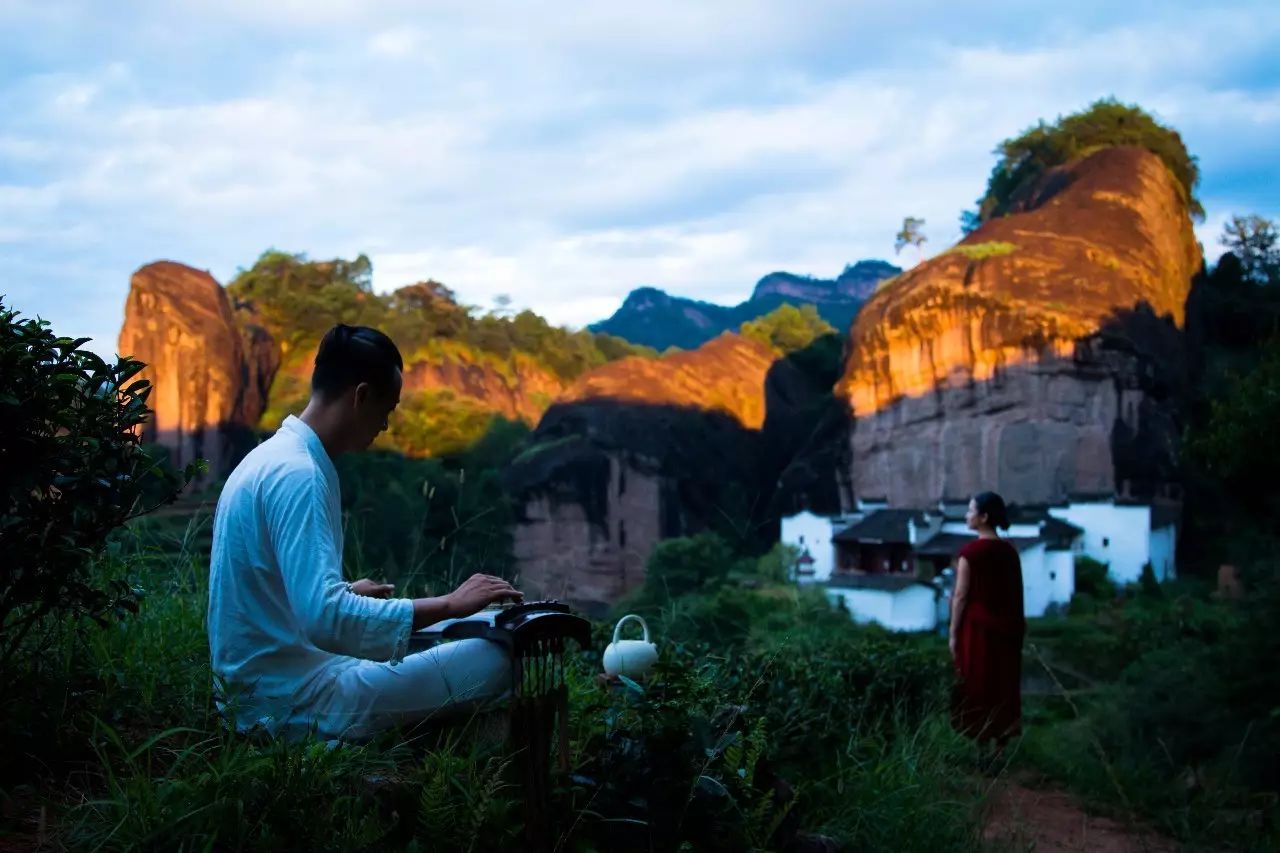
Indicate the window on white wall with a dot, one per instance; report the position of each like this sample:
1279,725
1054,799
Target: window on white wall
1106,543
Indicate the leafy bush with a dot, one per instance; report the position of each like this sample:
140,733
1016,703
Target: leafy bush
777,565
71,471
1092,579
684,565
1178,718
1107,122
982,251
438,423
1147,580
801,720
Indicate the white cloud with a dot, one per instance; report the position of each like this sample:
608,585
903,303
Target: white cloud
396,43
566,159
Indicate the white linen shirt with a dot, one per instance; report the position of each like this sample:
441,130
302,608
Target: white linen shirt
282,624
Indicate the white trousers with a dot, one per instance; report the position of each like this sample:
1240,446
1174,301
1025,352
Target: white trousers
448,679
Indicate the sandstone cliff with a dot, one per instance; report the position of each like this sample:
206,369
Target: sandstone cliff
220,371
640,450
725,375
209,365
517,387
1028,358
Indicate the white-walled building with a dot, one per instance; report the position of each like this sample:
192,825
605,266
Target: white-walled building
1125,536
899,604
812,535
877,561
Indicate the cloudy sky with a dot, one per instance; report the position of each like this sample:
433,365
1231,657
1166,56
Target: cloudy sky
564,153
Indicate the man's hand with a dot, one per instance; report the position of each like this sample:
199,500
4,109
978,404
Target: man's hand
373,589
478,592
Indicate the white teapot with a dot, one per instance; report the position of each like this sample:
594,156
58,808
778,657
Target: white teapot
632,658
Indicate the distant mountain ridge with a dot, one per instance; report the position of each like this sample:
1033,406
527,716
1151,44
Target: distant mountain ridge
655,318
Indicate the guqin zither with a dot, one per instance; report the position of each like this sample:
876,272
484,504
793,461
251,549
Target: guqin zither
535,633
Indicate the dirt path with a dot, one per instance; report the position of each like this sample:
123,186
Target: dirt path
1051,821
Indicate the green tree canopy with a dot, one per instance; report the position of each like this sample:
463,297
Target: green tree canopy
299,300
1232,446
1107,122
1254,241
687,564
787,328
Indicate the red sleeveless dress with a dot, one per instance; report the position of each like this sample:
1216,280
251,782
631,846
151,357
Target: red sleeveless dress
987,702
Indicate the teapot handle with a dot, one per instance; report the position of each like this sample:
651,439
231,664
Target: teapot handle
643,625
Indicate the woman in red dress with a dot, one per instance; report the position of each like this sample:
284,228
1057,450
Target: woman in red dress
987,627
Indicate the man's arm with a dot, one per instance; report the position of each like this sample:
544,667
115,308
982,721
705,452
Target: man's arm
305,545
476,593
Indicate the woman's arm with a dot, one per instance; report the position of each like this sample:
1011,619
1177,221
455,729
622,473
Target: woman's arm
959,598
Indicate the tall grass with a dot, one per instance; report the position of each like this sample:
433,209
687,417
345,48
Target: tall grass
1164,713
130,753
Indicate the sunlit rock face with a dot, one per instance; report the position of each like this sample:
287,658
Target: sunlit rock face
209,370
517,389
726,374
1036,357
636,451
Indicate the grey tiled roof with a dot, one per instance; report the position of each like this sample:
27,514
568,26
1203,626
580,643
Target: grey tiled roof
887,582
883,525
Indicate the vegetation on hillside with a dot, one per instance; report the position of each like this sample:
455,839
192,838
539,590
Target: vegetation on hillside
787,328
299,300
779,719
1023,159
982,251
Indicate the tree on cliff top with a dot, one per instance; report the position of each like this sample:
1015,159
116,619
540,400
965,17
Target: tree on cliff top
300,300
912,234
787,328
1107,122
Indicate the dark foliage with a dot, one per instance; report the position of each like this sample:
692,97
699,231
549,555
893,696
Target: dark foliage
71,471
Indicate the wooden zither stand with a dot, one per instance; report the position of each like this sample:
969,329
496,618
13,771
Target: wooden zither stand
535,634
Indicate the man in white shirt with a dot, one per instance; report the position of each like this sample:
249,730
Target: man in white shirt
294,647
